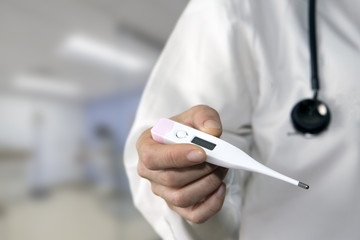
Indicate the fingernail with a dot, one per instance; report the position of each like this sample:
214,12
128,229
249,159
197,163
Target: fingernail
196,156
220,192
212,124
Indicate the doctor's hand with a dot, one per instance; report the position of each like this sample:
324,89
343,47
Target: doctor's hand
179,174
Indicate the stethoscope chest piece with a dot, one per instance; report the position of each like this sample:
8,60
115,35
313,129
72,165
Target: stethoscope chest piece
310,116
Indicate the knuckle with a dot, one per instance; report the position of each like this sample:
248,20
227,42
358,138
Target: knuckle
197,219
141,170
179,199
171,156
214,209
147,159
213,181
170,179
154,189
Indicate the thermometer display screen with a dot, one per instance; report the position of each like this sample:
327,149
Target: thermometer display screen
203,143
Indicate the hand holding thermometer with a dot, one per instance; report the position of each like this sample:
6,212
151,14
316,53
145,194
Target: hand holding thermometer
218,151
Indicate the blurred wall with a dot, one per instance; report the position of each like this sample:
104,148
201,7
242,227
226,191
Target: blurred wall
50,130
117,114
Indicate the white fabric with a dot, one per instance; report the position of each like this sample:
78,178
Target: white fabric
249,60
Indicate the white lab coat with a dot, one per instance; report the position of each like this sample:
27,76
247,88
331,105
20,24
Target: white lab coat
249,59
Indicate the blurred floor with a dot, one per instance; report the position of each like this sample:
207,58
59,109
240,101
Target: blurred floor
74,214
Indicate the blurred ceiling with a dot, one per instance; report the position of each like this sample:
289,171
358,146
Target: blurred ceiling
32,33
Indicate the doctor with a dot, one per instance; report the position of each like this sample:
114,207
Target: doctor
235,69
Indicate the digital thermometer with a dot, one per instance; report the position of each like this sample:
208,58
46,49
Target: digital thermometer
217,150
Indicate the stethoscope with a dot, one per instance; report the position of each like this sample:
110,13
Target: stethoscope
311,116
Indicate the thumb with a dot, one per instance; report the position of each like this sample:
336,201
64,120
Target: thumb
203,118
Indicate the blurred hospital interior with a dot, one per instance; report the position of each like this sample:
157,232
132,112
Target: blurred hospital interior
71,77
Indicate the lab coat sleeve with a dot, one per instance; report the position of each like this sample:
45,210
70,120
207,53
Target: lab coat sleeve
205,61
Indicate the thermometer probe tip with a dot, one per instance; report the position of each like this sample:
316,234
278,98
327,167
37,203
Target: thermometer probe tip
303,185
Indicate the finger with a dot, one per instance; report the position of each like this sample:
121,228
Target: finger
192,193
201,212
203,118
156,156
176,178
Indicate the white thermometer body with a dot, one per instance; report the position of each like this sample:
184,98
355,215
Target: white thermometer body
217,150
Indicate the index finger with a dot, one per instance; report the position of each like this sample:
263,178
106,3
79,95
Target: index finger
157,156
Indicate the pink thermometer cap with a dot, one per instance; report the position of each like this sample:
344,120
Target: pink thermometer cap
162,127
